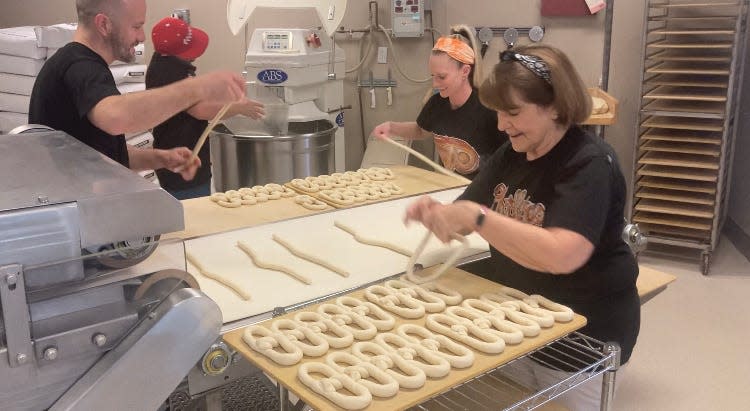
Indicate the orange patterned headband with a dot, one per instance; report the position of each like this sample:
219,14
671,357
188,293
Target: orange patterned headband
456,49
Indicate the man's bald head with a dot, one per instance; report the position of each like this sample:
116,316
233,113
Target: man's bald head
88,9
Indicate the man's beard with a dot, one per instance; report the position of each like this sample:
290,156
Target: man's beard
120,50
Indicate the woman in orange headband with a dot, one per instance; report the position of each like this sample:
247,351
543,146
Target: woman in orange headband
465,132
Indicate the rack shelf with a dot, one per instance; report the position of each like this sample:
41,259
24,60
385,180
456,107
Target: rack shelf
690,89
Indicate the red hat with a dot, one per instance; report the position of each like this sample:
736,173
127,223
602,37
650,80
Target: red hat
174,37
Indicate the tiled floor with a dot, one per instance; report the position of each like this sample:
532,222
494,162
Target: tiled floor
692,351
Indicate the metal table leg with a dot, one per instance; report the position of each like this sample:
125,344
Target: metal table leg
284,404
608,378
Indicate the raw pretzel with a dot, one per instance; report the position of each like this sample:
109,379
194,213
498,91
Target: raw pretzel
341,337
372,241
298,333
360,370
433,365
345,318
334,381
224,280
378,173
310,203
560,312
265,341
323,182
408,375
468,334
432,304
449,295
268,266
309,257
528,327
449,263
394,302
337,197
541,317
504,328
305,185
381,319
457,355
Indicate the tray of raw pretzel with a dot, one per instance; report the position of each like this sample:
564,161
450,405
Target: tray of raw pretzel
395,344
350,188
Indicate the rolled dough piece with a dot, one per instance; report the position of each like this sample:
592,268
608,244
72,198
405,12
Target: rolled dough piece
336,335
372,241
311,343
224,280
309,257
310,203
376,315
268,266
494,323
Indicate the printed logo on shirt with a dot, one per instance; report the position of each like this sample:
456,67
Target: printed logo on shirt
456,154
518,206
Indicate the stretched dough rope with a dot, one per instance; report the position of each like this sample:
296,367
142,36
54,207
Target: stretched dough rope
268,266
449,263
209,127
224,280
433,164
309,257
372,241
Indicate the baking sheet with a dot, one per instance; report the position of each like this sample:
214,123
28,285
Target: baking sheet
470,286
317,235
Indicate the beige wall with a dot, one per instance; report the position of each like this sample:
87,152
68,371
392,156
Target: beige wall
582,38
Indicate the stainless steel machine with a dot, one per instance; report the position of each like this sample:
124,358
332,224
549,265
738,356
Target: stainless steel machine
95,313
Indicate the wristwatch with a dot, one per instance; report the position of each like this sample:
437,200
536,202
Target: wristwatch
480,218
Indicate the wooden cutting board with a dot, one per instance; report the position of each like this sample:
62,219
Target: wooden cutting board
204,217
470,286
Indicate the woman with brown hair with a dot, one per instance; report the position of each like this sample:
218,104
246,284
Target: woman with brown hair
550,203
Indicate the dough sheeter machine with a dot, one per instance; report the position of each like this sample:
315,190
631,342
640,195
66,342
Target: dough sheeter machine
86,323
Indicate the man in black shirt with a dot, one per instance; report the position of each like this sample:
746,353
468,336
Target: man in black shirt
76,93
176,46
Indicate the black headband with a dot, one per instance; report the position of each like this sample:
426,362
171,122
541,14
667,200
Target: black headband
535,64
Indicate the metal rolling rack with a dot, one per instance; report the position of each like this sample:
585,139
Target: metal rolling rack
500,388
690,87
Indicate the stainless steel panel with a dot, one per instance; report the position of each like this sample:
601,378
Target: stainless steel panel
244,157
41,235
114,203
141,371
15,316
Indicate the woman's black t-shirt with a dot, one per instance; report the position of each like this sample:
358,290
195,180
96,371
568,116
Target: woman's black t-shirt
577,186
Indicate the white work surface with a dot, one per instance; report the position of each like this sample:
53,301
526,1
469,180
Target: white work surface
316,235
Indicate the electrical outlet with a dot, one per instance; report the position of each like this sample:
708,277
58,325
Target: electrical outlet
382,55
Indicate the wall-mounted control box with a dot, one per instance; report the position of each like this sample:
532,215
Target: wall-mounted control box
407,17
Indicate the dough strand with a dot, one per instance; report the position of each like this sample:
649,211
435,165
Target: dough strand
309,257
372,241
224,280
449,263
268,266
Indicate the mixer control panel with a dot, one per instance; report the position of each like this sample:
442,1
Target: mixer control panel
277,41
407,17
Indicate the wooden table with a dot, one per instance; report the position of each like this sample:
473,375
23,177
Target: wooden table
470,286
204,217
